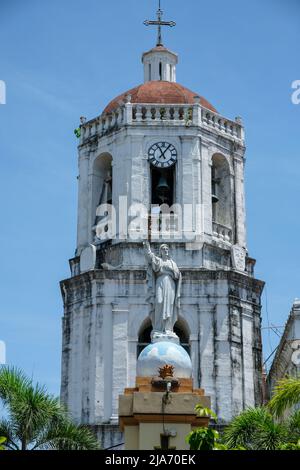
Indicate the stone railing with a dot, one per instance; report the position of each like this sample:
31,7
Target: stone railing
221,124
222,232
151,114
105,123
181,114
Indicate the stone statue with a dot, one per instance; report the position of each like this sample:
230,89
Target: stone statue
167,291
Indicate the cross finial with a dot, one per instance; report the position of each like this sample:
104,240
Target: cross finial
159,23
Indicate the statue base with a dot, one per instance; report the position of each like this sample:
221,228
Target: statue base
170,336
149,426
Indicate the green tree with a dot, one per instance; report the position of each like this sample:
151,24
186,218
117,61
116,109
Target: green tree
266,428
286,395
206,438
36,420
255,429
258,429
261,428
203,439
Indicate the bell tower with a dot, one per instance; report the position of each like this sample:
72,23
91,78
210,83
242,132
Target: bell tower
160,163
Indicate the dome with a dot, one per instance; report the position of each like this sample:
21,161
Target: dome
157,355
159,91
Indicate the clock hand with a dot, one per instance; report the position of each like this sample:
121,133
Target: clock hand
163,153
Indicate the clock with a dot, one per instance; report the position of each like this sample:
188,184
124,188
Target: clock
162,154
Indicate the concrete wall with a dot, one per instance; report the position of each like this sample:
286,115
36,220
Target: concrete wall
196,149
104,311
105,307
287,358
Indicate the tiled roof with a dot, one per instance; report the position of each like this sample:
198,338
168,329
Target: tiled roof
159,92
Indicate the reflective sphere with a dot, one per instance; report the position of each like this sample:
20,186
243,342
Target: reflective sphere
157,355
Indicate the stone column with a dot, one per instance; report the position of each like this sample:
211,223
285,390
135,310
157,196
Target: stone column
248,363
75,378
223,360
197,111
197,200
207,352
240,211
187,186
137,170
119,356
195,358
206,189
83,200
87,365
236,360
103,363
139,198
132,356
128,110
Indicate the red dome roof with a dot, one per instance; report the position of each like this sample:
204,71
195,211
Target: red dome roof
159,92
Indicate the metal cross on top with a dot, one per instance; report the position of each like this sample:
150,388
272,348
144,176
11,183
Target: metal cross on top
159,23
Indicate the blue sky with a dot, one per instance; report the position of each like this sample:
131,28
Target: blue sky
61,59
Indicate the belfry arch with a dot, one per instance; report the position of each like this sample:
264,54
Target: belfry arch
180,328
221,191
102,185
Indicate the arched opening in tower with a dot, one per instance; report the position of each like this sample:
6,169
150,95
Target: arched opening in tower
162,186
102,186
221,194
180,328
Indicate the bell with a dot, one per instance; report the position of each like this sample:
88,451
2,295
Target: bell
214,196
162,187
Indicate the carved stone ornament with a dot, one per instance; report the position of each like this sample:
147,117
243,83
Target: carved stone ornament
238,256
88,259
296,354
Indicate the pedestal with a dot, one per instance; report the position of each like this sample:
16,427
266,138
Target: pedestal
152,417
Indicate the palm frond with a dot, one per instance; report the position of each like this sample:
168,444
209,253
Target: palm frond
286,394
37,419
7,432
293,425
241,430
12,382
269,436
68,436
31,411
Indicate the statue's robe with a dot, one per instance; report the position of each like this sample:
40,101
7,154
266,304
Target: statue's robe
167,293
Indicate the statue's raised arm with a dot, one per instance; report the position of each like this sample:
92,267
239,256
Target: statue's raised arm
147,248
155,260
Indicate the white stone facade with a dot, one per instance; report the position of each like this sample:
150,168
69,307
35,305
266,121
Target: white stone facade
287,358
160,64
106,307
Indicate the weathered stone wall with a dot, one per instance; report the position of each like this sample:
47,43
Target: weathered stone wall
104,310
287,358
109,436
196,147
220,304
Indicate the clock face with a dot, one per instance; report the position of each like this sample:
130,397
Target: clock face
162,154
